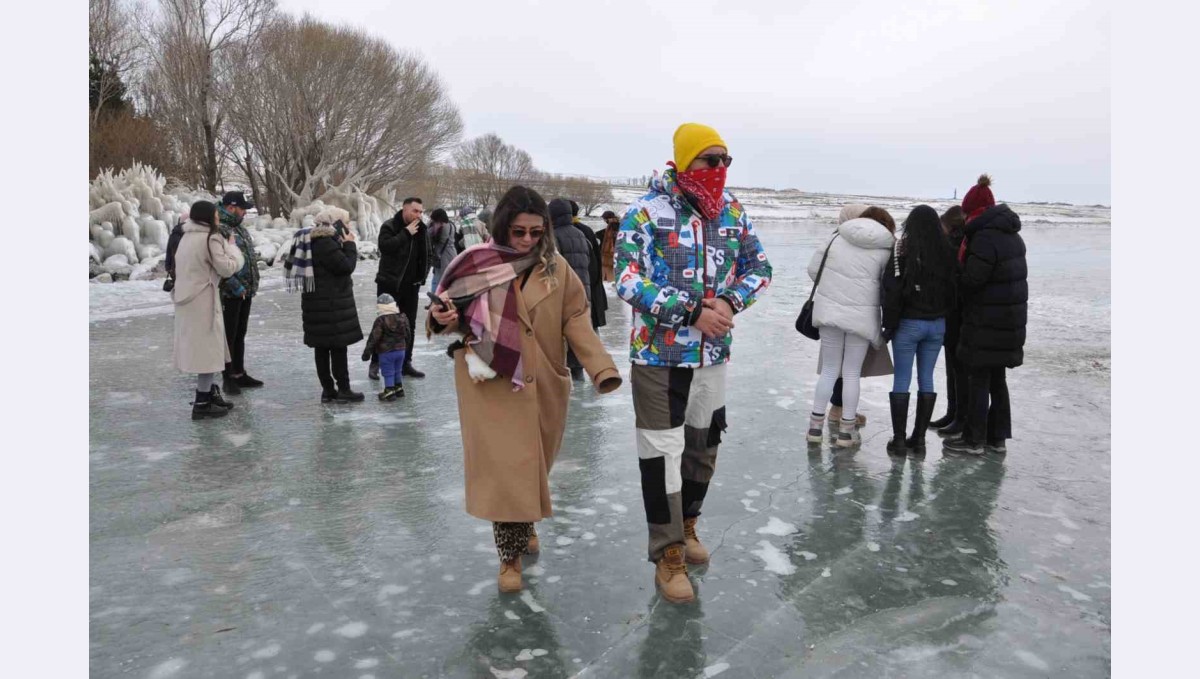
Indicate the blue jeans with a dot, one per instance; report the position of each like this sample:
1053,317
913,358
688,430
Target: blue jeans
922,338
390,365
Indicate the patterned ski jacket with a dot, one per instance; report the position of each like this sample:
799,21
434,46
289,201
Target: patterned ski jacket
669,259
244,283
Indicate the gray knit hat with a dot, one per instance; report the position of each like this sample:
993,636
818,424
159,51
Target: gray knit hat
385,299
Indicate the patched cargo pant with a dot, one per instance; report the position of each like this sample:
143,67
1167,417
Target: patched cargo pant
680,415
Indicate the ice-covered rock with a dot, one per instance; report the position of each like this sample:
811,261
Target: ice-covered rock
96,253
113,213
116,260
147,251
103,278
122,246
281,223
267,251
367,250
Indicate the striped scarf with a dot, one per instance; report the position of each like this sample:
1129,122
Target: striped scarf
495,329
299,270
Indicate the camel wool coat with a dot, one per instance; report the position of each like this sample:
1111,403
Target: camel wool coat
201,261
510,439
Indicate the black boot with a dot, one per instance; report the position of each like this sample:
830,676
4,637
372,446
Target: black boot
409,371
899,406
203,407
926,400
328,394
945,419
955,428
245,381
230,383
214,395
577,374
346,395
373,369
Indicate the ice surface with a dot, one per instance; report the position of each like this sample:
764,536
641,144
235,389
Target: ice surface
204,552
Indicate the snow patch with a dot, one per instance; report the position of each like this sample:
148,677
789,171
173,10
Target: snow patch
324,655
269,651
168,669
1031,660
777,526
714,670
351,630
775,560
534,606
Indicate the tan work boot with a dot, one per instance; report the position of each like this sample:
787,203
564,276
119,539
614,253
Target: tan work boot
670,574
694,552
835,416
534,545
509,579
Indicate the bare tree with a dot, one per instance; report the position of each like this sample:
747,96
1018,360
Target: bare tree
114,42
590,193
190,45
488,167
320,109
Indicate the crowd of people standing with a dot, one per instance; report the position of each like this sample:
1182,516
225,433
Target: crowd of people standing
522,291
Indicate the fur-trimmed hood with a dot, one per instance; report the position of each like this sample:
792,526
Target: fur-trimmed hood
323,231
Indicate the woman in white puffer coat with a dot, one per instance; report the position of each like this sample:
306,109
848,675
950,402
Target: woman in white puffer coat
846,308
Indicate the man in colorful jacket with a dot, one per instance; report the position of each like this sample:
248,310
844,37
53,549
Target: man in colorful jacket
687,261
237,291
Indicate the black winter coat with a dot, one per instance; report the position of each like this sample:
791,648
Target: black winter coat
402,256
329,311
599,296
572,244
923,303
954,315
995,291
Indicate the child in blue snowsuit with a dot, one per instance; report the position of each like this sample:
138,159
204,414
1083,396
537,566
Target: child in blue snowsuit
388,340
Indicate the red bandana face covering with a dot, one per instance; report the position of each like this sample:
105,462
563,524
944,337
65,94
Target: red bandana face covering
706,186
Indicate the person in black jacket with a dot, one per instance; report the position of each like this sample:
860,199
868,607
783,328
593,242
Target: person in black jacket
329,313
918,293
576,249
955,419
599,295
995,293
405,259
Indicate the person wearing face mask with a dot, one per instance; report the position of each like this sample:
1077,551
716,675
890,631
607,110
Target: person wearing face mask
237,291
687,261
518,306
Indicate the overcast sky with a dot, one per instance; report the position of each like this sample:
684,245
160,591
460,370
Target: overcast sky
912,98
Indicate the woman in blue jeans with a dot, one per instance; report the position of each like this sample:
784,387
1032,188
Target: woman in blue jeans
918,292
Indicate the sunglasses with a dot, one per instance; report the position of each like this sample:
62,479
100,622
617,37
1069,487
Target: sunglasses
715,159
521,233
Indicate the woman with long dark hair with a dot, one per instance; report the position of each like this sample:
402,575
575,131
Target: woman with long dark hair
918,293
518,306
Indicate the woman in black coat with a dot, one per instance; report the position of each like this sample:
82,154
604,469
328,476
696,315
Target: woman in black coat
995,294
955,419
328,310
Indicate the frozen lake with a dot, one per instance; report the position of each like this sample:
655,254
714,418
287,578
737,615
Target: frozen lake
295,539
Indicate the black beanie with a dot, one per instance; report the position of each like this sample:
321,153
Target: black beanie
203,212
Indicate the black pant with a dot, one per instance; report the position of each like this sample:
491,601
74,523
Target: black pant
332,368
237,318
988,422
958,385
408,298
836,399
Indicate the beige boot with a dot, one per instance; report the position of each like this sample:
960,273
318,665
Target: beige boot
534,545
835,416
670,574
509,579
694,552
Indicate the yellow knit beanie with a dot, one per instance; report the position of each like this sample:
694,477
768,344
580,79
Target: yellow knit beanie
691,139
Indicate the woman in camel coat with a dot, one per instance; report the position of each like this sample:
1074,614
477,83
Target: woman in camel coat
513,419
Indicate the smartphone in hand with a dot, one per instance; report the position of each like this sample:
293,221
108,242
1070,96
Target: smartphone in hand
437,301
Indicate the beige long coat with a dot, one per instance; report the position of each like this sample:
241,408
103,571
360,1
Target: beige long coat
510,439
201,261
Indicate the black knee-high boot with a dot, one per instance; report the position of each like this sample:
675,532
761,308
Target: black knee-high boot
926,400
899,406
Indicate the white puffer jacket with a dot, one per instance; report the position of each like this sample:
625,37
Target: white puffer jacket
848,295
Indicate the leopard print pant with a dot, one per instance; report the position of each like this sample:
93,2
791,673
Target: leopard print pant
511,539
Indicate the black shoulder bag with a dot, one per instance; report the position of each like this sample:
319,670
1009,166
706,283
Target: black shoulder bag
804,324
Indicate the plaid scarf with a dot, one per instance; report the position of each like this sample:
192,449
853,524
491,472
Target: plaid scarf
495,330
299,270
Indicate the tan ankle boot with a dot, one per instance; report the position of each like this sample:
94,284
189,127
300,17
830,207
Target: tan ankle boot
534,545
670,575
509,579
835,416
694,552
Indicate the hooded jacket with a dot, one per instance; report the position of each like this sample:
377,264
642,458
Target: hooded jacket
669,259
329,313
243,283
572,244
848,296
994,290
